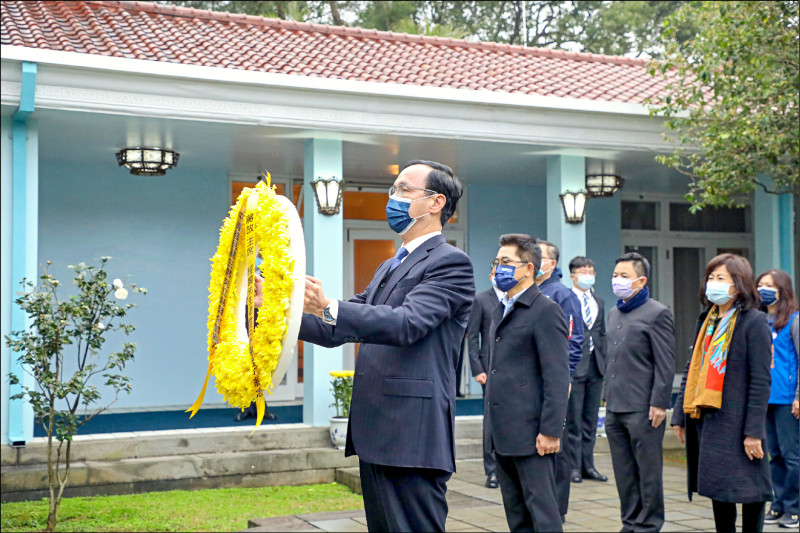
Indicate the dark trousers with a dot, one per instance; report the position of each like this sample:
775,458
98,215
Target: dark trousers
783,443
489,463
637,455
527,484
563,471
584,402
404,499
725,517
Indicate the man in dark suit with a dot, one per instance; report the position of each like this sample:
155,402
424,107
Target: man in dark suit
527,389
587,382
478,340
640,366
410,321
549,282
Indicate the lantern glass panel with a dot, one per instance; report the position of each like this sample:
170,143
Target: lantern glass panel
333,194
580,205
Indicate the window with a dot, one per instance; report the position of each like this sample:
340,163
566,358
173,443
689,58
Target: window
640,215
710,219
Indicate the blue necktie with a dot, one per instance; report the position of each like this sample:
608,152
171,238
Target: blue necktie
587,318
401,254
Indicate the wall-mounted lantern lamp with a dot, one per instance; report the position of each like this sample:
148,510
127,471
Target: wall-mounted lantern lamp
147,161
574,204
328,192
603,185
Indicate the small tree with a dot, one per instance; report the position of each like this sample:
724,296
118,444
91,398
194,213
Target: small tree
80,321
732,101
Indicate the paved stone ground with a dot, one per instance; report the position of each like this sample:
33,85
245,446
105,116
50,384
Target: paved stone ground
593,506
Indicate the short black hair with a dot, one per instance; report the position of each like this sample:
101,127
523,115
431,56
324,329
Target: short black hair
552,248
640,263
527,249
442,180
580,262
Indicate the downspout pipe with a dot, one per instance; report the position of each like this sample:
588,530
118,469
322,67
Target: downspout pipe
24,237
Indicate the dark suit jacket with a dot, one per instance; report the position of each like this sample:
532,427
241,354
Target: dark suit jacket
528,381
598,336
640,362
480,319
403,406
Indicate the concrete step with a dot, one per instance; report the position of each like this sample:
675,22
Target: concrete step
117,446
204,470
349,477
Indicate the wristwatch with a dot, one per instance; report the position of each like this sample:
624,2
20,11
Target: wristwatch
328,317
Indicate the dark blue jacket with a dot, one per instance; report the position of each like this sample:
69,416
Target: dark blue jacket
403,406
564,297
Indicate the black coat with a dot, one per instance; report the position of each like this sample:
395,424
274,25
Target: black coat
527,385
598,337
717,466
640,362
480,320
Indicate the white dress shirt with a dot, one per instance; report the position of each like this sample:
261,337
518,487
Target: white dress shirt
593,307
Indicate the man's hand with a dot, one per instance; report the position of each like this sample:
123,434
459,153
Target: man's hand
680,432
796,408
657,416
258,292
545,444
481,378
315,300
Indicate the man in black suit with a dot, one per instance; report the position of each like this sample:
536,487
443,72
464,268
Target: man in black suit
527,388
640,366
587,382
410,321
478,340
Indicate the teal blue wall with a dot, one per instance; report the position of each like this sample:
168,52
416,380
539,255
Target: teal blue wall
494,210
6,290
160,230
603,226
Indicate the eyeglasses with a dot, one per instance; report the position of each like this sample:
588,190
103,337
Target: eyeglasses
505,261
402,189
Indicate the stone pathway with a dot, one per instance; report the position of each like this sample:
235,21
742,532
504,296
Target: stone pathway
593,506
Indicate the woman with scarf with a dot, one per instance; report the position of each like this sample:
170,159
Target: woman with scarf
721,409
777,298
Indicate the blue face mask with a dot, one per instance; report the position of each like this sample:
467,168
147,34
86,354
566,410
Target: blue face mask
504,277
768,296
717,292
397,214
585,281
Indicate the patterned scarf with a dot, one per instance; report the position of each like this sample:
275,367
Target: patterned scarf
709,361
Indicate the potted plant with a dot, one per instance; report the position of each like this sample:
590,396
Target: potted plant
342,392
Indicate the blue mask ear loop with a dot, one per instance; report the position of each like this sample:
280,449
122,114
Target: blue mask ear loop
413,219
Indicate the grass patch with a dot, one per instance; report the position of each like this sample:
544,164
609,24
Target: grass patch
675,457
180,510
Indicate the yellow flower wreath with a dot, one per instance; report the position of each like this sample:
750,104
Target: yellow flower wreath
241,376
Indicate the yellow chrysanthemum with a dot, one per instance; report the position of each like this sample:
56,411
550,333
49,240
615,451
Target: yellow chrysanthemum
342,373
230,359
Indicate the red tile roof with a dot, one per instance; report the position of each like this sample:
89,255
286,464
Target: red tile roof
156,32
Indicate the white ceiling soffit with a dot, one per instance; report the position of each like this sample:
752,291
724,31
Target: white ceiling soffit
84,82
